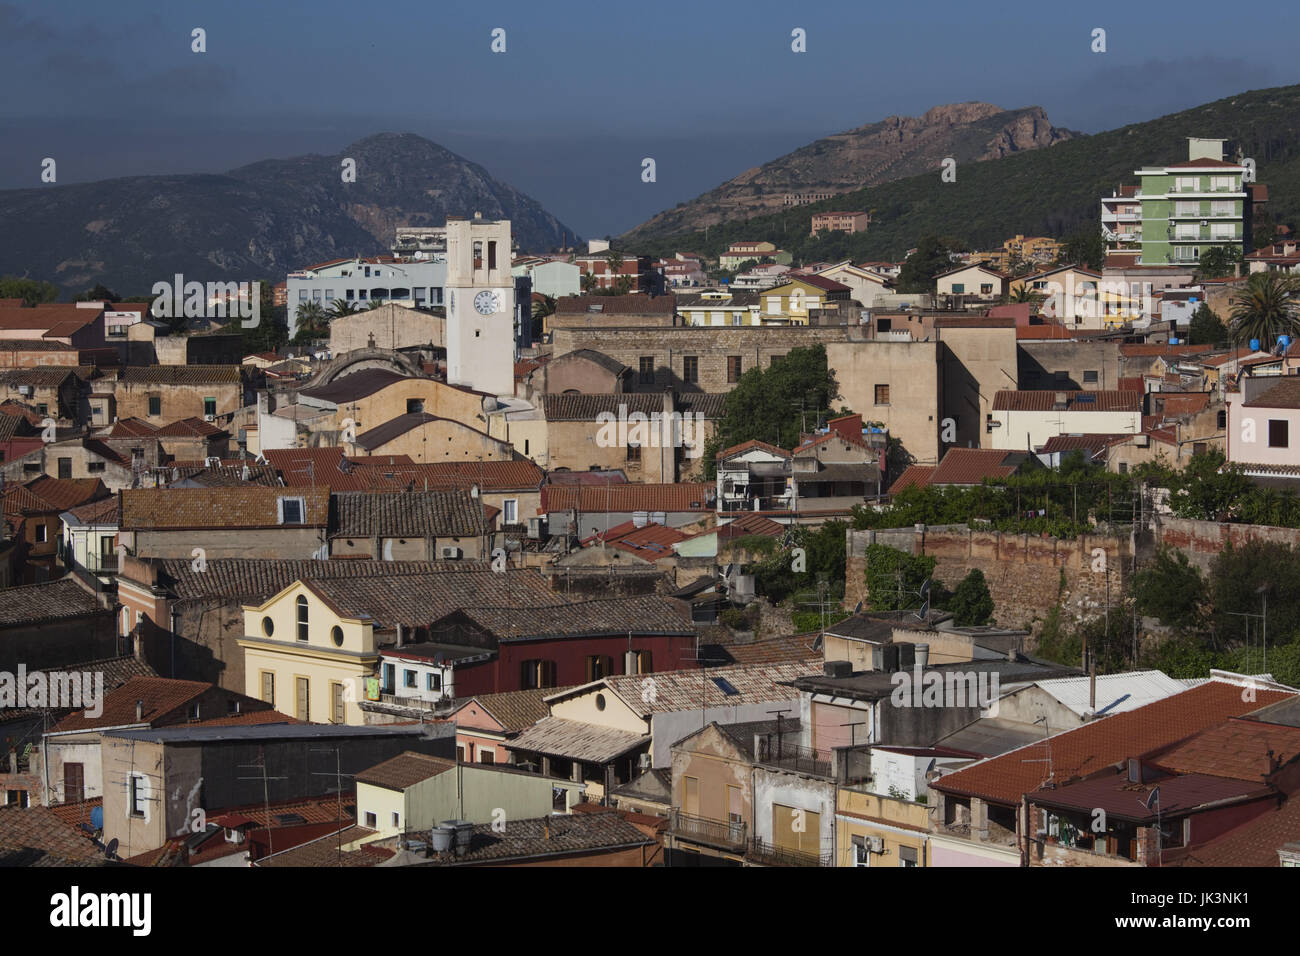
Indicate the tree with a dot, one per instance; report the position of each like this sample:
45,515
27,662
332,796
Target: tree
1219,261
894,577
100,293
313,323
932,257
1205,490
1024,293
1086,246
340,308
1206,327
775,403
1265,309
1171,590
31,291
971,603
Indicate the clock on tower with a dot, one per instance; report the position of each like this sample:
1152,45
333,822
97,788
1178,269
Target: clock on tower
480,305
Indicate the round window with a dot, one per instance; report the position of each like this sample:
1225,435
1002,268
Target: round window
268,626
600,701
336,635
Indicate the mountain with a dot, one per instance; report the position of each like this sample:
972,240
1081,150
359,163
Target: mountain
255,222
1033,192
894,148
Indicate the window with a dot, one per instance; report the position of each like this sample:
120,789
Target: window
1278,433
194,711
691,796
409,678
414,406
155,406
647,369
433,682
137,796
1123,468
735,813
41,534
643,662
958,288
1187,184
774,359
336,703
598,666
538,674
634,451
907,856
986,288
1222,419
1090,378
336,635
94,466
861,852
302,698
733,369
882,394
302,617
510,510
690,369
65,467
292,511
372,821
74,782
209,407
492,254
268,687
397,820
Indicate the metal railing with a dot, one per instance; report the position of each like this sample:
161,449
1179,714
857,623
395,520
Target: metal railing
787,756
769,854
715,833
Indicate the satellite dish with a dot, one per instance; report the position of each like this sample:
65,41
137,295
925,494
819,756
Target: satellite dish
925,609
110,851
925,590
858,609
97,818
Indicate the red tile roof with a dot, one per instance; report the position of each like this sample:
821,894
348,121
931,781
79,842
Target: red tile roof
161,696
752,443
918,475
1044,400
1238,748
1095,746
970,466
612,497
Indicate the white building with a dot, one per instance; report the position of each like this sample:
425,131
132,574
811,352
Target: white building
480,305
551,277
1025,420
415,284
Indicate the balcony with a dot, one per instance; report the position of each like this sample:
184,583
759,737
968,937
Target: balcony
769,854
713,833
784,756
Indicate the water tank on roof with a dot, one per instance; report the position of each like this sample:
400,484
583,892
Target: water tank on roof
1254,345
1284,340
658,517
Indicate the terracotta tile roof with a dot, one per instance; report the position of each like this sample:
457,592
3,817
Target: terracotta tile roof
350,388
11,407
1043,400
752,443
651,542
774,650
1238,748
679,690
821,282
246,718
256,579
1138,349
1237,355
607,616
181,375
107,512
326,852
43,376
1204,163
1043,330
382,434
65,493
189,428
408,514
322,809
36,836
1135,383
585,408
417,600
554,836
615,304
404,770
131,428
1097,745
975,322
749,524
970,466
250,506
1254,843
1285,394
1179,403
516,710
614,497
226,475
577,740
918,475
116,670
161,696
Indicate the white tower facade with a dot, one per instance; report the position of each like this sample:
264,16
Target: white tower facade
480,298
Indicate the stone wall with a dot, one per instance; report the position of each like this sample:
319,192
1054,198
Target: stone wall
1023,572
1202,540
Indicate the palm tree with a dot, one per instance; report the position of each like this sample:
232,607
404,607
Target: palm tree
341,307
543,307
312,320
1024,293
1265,309
375,304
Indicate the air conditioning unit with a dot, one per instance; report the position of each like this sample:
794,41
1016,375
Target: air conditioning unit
643,762
1205,222
24,389
876,844
451,554
209,418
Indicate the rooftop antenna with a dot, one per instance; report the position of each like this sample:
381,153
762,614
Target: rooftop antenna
337,789
1047,741
260,764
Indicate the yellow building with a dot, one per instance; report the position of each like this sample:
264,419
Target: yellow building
793,301
305,659
871,830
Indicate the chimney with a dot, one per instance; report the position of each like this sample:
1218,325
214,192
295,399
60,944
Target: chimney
139,710
922,655
399,636
1011,655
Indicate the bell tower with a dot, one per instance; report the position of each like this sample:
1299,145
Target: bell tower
480,299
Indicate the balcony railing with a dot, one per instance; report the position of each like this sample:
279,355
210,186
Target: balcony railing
715,833
786,756
769,854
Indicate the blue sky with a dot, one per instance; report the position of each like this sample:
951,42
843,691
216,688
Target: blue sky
585,90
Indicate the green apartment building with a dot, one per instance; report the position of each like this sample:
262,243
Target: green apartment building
1189,208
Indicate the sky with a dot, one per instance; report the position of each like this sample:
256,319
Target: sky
584,90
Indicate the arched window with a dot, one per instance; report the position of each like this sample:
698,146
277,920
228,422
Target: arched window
302,617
